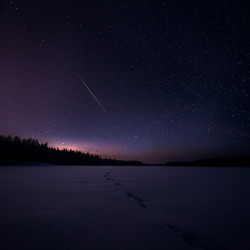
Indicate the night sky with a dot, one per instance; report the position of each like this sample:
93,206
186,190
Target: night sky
171,77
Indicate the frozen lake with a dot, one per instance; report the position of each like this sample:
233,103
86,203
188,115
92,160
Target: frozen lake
102,207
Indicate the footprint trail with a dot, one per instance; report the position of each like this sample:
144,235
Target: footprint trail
139,201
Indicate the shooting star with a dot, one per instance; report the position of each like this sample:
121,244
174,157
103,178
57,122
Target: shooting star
92,94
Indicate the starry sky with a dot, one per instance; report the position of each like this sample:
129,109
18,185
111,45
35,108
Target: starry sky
173,77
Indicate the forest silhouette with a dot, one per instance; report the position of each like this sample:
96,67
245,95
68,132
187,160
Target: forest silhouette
237,161
17,151
14,150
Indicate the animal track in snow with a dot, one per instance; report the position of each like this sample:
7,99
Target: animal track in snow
140,201
193,238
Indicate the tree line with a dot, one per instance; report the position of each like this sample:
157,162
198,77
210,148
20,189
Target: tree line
238,161
14,150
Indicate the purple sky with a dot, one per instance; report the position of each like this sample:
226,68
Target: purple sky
173,76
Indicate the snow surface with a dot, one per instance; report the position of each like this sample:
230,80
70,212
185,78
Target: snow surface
102,207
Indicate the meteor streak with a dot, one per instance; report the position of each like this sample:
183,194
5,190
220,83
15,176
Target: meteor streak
92,94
